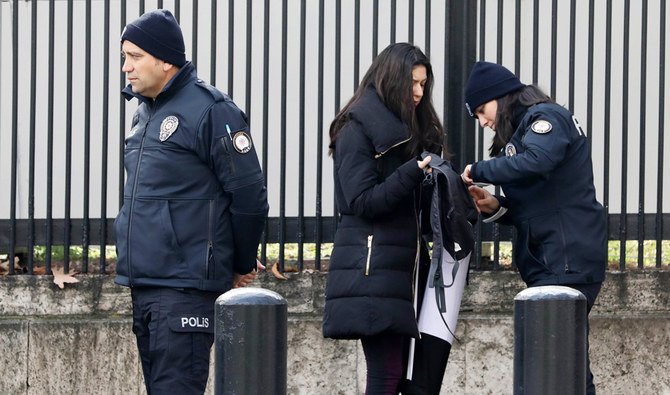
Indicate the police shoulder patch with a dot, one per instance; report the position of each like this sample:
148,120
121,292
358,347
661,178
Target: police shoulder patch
242,142
541,126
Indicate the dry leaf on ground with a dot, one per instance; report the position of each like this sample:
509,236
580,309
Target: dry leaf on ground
275,272
61,278
38,270
4,266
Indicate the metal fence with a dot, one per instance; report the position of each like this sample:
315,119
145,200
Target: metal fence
290,65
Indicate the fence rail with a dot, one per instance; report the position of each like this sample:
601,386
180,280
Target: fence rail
290,65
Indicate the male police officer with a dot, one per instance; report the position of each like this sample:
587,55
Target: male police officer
194,205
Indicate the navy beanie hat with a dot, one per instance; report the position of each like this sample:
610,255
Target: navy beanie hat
488,81
158,33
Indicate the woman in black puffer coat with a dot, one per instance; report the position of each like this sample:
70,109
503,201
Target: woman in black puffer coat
375,141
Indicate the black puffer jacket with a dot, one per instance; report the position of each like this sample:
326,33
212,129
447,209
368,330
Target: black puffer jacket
377,187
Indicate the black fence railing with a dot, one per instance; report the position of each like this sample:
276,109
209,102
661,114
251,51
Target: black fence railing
560,43
291,65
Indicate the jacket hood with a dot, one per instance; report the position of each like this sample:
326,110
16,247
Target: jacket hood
380,124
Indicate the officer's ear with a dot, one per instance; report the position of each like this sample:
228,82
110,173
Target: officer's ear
168,66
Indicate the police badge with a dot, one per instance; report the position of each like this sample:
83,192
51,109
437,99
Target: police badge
242,142
510,150
541,127
168,126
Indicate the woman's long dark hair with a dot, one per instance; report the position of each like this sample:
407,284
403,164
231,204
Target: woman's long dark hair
510,107
391,75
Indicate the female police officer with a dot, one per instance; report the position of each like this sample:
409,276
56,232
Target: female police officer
543,164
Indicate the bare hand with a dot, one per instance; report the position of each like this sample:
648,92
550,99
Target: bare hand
485,202
467,175
242,280
424,163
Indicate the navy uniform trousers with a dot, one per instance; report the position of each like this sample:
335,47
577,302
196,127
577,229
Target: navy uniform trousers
591,292
175,332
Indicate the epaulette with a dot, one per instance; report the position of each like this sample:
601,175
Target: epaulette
216,94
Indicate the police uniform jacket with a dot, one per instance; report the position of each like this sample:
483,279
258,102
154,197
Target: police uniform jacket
369,285
194,200
546,174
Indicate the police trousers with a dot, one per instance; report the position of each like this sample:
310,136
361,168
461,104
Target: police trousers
175,331
591,292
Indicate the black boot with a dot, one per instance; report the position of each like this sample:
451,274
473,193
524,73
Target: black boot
406,387
430,362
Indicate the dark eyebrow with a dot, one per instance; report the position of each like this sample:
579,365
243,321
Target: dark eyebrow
131,53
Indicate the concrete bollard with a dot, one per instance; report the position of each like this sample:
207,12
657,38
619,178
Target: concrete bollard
250,336
550,341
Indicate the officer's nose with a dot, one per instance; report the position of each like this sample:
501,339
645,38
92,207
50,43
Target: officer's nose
126,68
482,121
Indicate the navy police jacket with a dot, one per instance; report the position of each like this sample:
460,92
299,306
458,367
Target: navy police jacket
546,174
194,201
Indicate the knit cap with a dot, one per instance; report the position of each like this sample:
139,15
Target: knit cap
158,33
488,81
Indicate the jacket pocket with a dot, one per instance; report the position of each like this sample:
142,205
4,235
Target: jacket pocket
209,255
545,243
156,252
121,232
227,145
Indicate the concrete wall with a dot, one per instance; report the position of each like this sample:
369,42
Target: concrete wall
78,340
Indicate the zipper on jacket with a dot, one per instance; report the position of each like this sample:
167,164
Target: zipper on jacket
230,157
417,255
132,199
210,245
565,243
379,154
367,262
558,213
